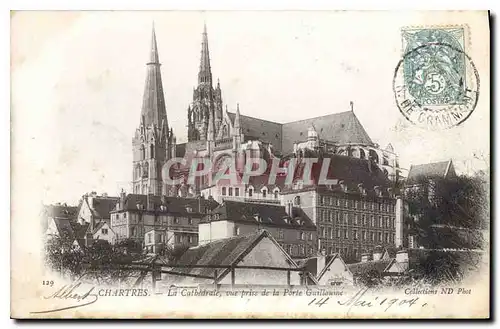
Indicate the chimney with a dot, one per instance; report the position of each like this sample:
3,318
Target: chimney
122,200
150,202
289,209
365,257
377,253
200,209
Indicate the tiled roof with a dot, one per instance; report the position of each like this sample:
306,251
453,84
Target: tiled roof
311,264
220,252
98,227
341,128
61,211
352,171
268,214
79,230
176,205
101,206
328,262
64,228
258,129
389,252
430,170
365,267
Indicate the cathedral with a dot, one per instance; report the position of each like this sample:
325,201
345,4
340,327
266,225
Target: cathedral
222,135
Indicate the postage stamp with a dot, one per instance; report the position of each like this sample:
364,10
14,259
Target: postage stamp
436,84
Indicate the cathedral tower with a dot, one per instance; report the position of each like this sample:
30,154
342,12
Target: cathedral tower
207,101
153,142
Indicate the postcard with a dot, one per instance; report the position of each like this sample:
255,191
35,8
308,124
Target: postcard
250,164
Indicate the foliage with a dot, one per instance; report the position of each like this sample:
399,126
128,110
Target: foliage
371,278
174,252
448,213
99,261
129,246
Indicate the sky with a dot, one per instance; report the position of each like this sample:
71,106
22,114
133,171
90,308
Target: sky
78,78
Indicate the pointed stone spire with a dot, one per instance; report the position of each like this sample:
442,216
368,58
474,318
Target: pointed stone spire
153,56
237,119
153,104
205,74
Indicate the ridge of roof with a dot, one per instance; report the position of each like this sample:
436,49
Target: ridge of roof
250,117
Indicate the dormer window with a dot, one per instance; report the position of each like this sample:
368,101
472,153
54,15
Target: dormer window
250,192
264,192
276,193
189,209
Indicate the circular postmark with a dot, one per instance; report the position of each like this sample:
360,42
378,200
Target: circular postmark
436,85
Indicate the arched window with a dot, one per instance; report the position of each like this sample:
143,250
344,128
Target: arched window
143,153
264,192
250,192
374,156
223,190
236,230
152,151
138,171
296,200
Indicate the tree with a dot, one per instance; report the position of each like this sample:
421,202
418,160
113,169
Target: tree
129,246
448,212
174,252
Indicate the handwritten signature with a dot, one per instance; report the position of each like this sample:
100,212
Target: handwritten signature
72,294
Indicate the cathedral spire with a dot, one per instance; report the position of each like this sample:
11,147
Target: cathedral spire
237,119
153,57
153,104
205,74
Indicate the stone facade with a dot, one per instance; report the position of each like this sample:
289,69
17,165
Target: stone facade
347,223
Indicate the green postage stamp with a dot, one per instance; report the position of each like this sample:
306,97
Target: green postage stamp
436,83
